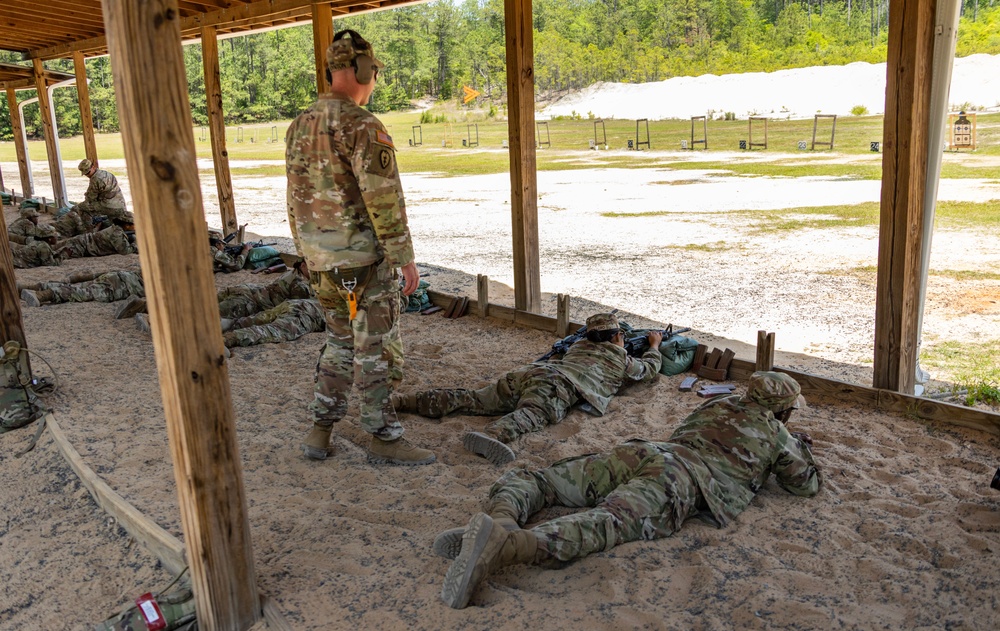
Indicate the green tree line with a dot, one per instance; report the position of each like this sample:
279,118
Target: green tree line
433,49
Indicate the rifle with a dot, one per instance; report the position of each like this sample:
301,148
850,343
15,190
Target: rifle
562,346
636,343
234,250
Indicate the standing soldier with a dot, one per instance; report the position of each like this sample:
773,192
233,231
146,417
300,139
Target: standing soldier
348,218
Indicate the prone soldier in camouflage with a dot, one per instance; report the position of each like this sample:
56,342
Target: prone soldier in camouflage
284,322
109,287
541,394
240,301
103,197
105,242
38,251
711,465
24,227
223,261
348,218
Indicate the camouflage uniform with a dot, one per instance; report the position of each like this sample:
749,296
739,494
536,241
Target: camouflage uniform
23,226
288,321
109,287
542,394
245,300
101,243
33,254
713,463
347,214
225,262
104,197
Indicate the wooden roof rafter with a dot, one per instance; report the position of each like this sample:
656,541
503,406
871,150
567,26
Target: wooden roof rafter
23,77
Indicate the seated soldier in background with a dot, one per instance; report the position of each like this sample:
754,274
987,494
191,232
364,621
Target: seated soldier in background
105,242
541,394
712,465
37,252
24,227
223,261
103,198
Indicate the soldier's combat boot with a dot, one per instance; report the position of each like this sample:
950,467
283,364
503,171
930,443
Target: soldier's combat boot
486,547
38,297
488,447
81,277
398,451
142,321
317,444
131,306
449,543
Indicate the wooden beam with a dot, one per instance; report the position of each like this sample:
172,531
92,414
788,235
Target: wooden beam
86,118
904,170
562,315
151,88
765,351
521,134
322,21
51,148
217,129
19,148
11,323
483,290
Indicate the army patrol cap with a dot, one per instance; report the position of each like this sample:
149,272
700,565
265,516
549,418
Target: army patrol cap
775,391
341,52
602,322
85,166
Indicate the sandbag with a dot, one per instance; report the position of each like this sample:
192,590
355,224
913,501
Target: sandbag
263,256
678,354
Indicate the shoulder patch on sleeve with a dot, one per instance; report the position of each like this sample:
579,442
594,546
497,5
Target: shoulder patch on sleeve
384,138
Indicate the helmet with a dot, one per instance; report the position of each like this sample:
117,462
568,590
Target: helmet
775,391
602,322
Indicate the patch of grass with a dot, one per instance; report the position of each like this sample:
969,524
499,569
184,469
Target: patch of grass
677,182
965,274
959,214
819,217
803,168
718,246
653,213
972,366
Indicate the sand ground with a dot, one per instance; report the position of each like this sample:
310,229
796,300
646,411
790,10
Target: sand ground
902,536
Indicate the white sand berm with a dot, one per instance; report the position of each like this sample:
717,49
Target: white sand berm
795,93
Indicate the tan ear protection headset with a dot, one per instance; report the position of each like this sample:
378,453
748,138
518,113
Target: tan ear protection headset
363,63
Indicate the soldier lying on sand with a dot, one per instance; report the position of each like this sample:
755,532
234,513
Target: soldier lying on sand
712,465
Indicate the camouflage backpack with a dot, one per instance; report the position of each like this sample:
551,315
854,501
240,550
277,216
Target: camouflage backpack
18,404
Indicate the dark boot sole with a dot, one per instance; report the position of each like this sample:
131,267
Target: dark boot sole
489,448
130,308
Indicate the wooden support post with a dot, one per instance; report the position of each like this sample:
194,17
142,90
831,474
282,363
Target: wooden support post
322,20
521,133
765,351
144,43
52,151
11,323
83,96
904,170
19,148
562,315
217,129
483,299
